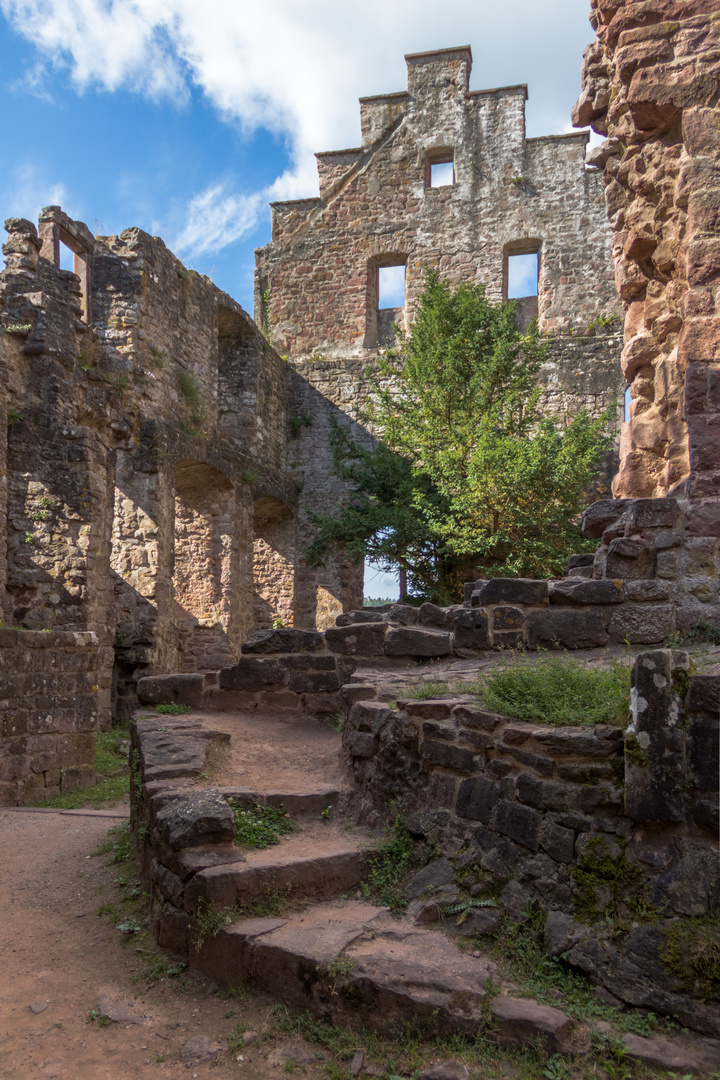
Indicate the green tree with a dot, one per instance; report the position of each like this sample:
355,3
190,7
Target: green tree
475,480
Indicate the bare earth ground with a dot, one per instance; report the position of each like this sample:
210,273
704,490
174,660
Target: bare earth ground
56,951
267,754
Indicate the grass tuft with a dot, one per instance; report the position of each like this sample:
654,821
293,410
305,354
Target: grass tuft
558,692
260,826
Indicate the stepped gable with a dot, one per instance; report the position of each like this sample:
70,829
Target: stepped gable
317,289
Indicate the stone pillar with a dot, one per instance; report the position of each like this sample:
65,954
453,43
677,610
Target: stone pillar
650,85
656,765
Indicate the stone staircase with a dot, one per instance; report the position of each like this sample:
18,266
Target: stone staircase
292,920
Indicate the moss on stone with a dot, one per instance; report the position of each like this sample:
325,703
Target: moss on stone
690,953
634,752
621,882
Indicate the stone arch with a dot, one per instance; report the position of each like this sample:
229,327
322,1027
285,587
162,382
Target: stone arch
274,562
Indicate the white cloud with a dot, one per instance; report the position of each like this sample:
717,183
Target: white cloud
215,219
27,190
296,67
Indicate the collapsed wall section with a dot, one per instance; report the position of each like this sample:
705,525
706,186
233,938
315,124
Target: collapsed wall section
144,417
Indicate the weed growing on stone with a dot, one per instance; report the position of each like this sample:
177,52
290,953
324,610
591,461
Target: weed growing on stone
260,826
558,692
427,691
339,721
173,709
396,859
189,387
691,954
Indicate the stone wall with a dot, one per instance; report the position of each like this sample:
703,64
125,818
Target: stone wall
650,85
317,280
614,836
54,696
144,429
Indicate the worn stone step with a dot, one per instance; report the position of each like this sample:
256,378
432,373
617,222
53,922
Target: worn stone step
297,801
352,963
305,864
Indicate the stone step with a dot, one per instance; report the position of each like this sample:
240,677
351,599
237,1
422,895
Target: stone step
313,863
352,963
297,801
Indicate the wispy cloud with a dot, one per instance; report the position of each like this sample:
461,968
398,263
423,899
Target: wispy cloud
27,190
216,218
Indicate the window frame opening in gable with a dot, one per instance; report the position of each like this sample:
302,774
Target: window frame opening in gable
529,302
378,320
435,161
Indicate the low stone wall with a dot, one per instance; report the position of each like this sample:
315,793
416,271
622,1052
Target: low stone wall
612,834
54,696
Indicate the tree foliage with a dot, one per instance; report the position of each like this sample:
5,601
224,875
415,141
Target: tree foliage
469,478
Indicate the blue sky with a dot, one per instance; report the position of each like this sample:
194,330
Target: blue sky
187,118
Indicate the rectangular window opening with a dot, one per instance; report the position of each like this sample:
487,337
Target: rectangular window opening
67,257
522,276
391,286
442,173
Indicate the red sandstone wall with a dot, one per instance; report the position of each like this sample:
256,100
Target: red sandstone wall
651,84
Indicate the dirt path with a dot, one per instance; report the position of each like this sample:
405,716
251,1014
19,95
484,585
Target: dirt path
58,955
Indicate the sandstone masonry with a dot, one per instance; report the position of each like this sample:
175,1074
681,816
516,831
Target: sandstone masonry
317,282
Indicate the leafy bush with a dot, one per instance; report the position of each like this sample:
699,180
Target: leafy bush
558,692
172,710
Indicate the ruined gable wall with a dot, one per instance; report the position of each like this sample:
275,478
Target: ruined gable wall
316,282
651,84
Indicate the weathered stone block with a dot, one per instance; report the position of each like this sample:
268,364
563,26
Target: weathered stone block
630,557
577,591
566,628
364,615
557,841
361,639
641,623
599,515
201,817
448,757
313,681
361,744
655,770
185,689
473,716
507,618
477,798
521,823
514,591
253,673
403,614
432,615
704,753
368,716
647,589
283,640
416,641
